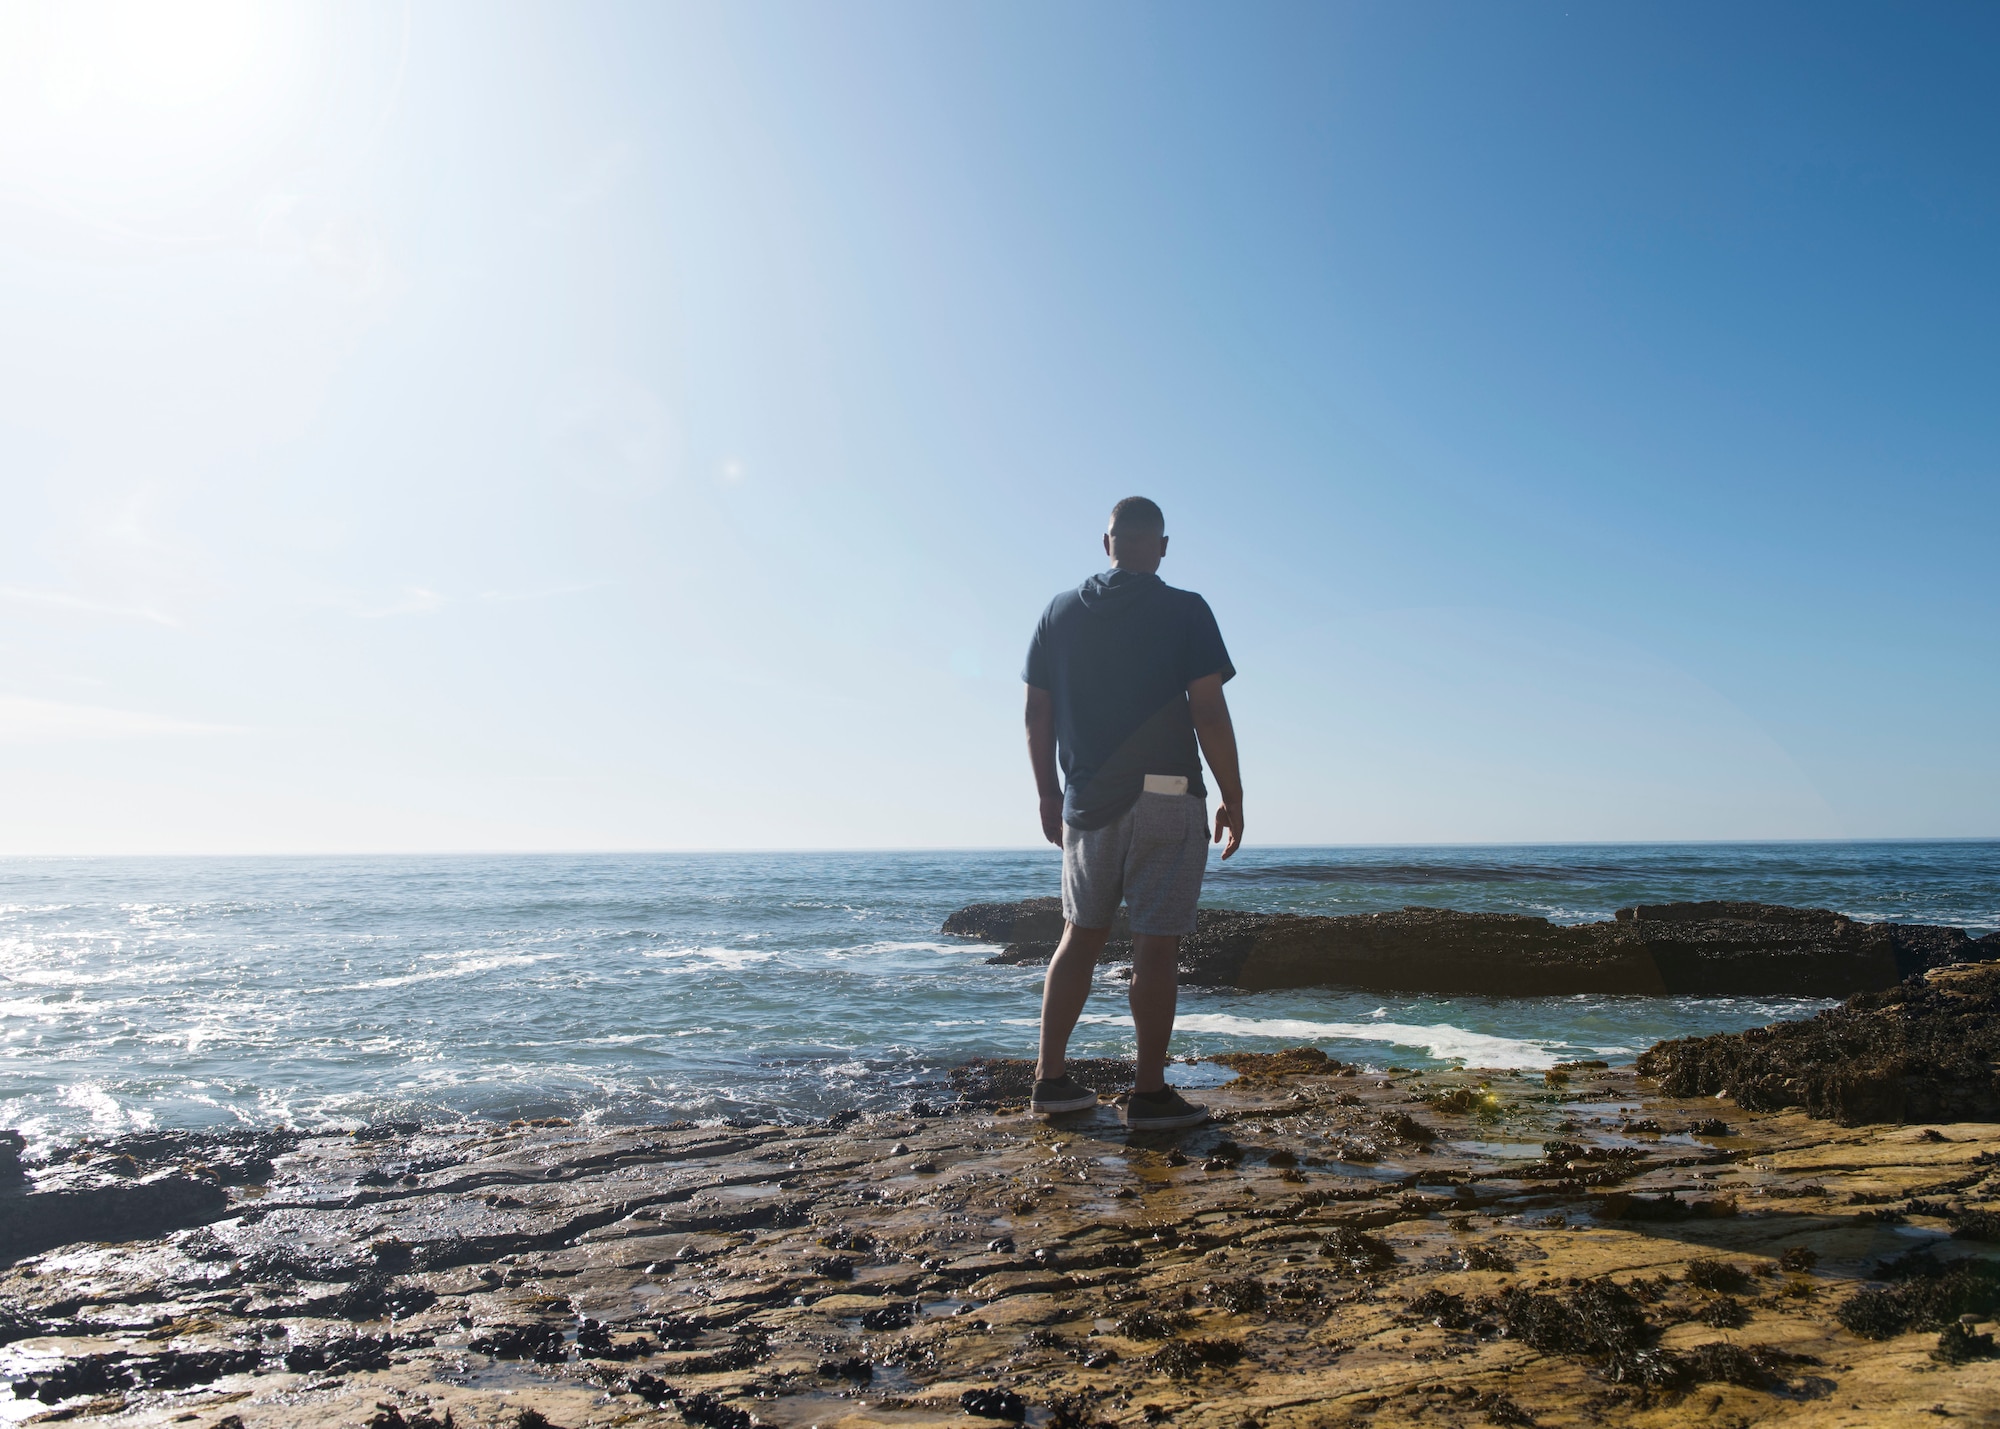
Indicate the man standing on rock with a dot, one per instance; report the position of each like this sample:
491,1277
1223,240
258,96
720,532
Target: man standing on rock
1123,675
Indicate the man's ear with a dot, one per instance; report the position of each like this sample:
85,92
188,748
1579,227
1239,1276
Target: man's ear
1107,543
1163,547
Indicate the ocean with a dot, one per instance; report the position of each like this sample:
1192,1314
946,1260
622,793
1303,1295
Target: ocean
336,991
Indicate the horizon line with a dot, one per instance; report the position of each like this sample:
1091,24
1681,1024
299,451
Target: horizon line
642,852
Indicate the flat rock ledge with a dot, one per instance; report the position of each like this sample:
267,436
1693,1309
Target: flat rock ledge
1340,1247
1735,949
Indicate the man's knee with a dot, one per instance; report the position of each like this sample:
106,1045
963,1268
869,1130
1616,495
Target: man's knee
1155,947
1081,944
1086,937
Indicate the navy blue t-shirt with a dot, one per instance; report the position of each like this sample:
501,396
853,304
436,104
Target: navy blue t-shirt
1117,655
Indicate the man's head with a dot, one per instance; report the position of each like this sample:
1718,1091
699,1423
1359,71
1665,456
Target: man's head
1137,537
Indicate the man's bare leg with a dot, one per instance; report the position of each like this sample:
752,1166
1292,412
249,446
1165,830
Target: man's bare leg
1154,993
1064,991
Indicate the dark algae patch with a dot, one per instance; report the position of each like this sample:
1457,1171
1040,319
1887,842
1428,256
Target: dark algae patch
1184,1359
1718,1275
1291,1062
1597,1320
995,1403
1929,1298
1959,1345
544,1344
1357,1251
1752,1366
1605,1323
346,1354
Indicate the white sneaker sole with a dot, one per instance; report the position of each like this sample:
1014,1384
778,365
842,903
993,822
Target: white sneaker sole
1165,1123
1058,1108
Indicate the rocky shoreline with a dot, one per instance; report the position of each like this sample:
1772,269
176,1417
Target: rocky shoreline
1736,949
1340,1247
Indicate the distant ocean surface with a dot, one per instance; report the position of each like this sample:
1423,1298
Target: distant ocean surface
644,987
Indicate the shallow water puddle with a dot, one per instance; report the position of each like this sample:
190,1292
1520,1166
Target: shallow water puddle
1499,1150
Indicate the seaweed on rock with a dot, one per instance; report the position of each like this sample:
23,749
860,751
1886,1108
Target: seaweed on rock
1959,1345
1932,1297
1184,1359
1357,1251
1598,1320
544,1344
1923,1051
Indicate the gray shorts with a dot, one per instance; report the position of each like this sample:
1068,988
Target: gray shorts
1151,858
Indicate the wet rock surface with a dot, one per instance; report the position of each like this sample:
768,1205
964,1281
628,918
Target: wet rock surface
1745,949
1011,1079
1928,1050
126,1188
1340,1246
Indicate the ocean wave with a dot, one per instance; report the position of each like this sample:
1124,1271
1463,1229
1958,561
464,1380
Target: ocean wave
1440,1040
925,946
713,957
65,977
106,1113
456,970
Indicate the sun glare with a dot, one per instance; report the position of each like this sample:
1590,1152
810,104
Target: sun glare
147,55
105,99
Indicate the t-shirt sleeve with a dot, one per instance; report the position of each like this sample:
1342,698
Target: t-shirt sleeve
1203,647
1035,671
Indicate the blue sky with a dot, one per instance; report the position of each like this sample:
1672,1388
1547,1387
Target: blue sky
481,427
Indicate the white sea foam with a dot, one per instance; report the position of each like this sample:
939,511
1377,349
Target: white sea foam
727,959
65,977
106,1113
464,969
1441,1040
926,946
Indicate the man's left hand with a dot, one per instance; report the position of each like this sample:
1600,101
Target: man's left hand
1052,820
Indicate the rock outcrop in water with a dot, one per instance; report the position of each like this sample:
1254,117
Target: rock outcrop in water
1925,1051
1744,949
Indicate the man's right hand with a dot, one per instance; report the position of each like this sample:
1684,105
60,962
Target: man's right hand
1052,821
1229,820
1042,755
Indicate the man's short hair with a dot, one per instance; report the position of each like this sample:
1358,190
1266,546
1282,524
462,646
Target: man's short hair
1135,514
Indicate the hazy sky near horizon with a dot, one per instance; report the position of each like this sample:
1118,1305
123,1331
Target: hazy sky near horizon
656,426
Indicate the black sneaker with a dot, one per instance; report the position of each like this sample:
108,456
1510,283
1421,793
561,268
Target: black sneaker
1060,1094
1164,1110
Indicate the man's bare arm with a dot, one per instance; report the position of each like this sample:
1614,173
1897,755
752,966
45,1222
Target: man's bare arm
1210,712
1042,754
